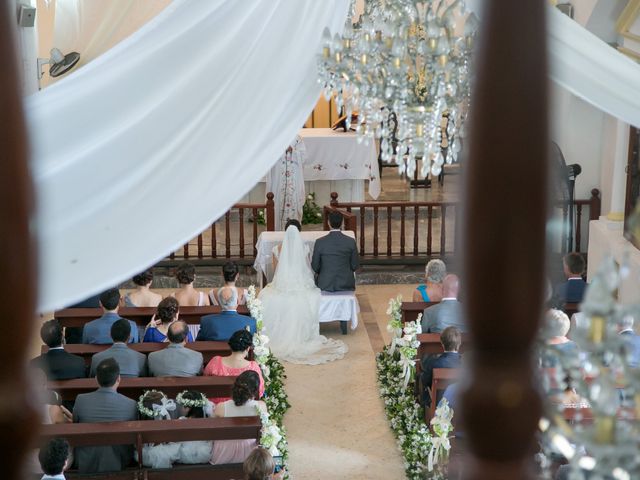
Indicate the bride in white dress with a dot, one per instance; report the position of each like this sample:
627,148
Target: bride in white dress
290,309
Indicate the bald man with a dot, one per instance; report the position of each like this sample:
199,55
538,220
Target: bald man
220,326
447,313
176,360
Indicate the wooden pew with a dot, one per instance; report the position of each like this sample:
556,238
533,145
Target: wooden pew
442,378
77,317
138,433
430,344
134,387
208,349
410,310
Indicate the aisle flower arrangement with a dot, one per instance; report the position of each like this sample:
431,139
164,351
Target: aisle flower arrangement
273,433
396,378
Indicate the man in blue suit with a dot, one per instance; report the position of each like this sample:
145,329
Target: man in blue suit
99,331
451,339
573,289
220,327
632,341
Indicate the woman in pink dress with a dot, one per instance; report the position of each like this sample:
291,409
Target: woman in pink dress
236,363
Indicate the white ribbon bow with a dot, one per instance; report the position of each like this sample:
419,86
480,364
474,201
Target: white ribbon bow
407,366
437,443
163,410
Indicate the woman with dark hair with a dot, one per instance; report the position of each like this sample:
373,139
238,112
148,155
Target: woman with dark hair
194,405
142,296
275,254
244,403
236,363
187,295
168,312
230,272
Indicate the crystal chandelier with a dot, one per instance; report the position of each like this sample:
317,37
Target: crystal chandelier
405,69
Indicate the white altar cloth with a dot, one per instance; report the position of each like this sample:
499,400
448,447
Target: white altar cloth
341,306
337,155
267,240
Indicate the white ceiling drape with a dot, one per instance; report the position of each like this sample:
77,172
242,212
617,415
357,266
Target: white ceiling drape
142,148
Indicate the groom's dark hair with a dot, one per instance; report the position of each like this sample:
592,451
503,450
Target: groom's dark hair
335,219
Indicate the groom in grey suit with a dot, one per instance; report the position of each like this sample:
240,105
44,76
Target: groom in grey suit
335,259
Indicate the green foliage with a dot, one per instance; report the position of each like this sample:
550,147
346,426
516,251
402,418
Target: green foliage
311,212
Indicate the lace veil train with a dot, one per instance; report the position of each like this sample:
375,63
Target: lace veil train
291,304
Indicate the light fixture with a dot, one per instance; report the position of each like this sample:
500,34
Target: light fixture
60,63
404,60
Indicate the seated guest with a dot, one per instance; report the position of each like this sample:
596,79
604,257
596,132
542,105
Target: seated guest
167,313
243,403
220,326
236,363
74,334
447,313
187,295
99,331
52,411
54,459
194,405
259,465
142,296
176,360
131,363
57,363
230,272
154,405
632,341
554,334
573,289
104,405
431,290
451,339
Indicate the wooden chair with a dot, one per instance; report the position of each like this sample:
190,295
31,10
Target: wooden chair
442,378
134,387
138,433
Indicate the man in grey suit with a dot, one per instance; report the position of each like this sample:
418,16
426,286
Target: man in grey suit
131,363
176,360
447,313
104,405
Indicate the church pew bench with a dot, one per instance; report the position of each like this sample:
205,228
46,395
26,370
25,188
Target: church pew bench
208,349
77,317
134,387
137,433
442,378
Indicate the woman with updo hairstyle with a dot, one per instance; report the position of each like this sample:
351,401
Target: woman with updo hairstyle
243,404
236,363
431,289
168,312
154,405
187,295
142,296
259,465
230,273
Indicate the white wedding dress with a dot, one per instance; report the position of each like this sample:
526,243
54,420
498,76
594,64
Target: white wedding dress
290,309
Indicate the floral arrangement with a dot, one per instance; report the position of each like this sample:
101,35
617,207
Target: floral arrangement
311,212
159,410
396,378
260,217
191,403
441,427
273,433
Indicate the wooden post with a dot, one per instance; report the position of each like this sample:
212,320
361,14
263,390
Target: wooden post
270,213
18,420
505,239
595,205
334,199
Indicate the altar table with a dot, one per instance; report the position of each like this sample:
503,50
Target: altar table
267,240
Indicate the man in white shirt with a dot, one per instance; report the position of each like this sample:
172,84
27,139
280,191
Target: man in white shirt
54,459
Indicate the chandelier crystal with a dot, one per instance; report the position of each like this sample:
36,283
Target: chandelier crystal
404,67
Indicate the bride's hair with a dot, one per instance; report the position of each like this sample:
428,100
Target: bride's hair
240,341
245,388
294,222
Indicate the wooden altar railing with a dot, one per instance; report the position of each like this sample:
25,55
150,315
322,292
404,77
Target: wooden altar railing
407,232
230,229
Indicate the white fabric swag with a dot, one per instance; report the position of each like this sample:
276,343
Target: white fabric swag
142,148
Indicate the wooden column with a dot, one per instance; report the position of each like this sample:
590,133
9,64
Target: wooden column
18,419
504,238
